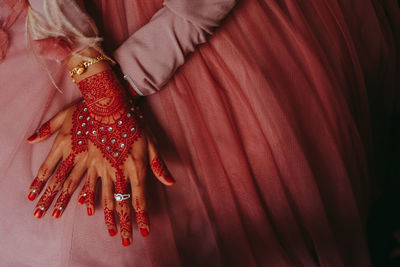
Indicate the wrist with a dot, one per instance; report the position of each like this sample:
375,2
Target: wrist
82,59
104,96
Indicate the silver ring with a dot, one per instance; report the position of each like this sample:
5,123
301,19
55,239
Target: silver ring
121,197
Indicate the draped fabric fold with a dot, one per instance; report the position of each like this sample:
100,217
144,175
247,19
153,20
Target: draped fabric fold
16,6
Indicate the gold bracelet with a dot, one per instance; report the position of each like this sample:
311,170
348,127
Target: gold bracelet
82,67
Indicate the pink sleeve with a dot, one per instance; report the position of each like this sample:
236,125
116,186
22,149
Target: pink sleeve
153,53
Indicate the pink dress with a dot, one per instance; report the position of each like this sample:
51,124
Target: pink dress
266,129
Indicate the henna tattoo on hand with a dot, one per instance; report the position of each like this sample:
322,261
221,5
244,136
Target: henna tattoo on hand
113,126
36,187
109,219
63,200
79,144
142,219
125,222
52,190
159,169
104,96
45,130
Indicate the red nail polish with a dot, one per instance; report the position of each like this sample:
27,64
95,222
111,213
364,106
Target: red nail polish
144,232
81,200
32,196
169,179
89,211
38,213
32,137
56,213
112,232
126,242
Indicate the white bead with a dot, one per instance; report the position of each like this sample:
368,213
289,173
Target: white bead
132,129
122,145
113,141
78,132
120,123
110,129
83,124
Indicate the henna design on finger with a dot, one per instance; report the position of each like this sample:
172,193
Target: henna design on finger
142,219
35,188
83,194
125,223
87,196
52,190
121,184
160,170
63,200
45,130
121,187
109,219
89,200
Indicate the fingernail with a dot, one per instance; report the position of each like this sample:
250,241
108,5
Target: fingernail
126,242
112,232
56,213
32,137
81,200
38,213
32,196
169,179
144,232
89,211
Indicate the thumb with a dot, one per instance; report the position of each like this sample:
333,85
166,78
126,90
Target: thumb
158,166
48,128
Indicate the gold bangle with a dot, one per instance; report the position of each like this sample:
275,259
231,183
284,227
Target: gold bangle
82,67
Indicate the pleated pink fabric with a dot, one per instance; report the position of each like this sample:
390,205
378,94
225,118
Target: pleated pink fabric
266,129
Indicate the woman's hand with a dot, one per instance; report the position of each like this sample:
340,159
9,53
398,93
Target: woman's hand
103,136
116,130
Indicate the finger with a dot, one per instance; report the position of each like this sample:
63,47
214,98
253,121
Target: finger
137,179
123,209
54,186
158,166
48,128
68,188
108,204
87,193
45,171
